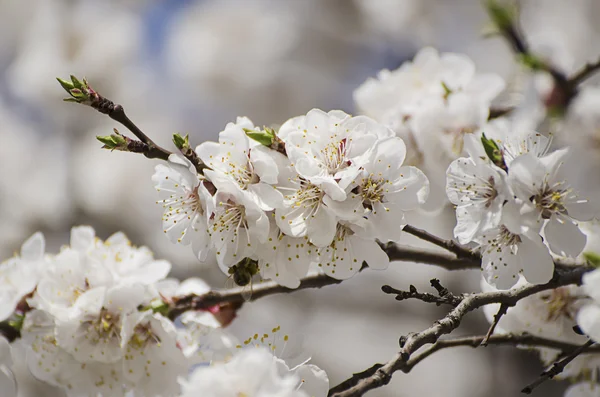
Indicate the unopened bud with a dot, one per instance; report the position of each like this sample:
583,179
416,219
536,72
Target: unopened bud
181,142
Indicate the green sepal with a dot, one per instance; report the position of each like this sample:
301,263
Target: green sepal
17,322
264,137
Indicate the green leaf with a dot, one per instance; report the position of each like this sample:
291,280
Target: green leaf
592,258
66,85
264,137
115,141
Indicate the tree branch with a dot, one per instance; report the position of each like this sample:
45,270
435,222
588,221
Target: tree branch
236,295
506,339
558,367
411,343
585,73
412,293
468,341
449,245
501,312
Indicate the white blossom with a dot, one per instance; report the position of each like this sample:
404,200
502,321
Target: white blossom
236,162
184,199
236,226
479,191
384,190
544,187
327,151
507,254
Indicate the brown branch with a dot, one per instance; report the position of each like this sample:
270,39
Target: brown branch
558,367
449,245
411,343
505,339
501,312
401,253
236,295
585,73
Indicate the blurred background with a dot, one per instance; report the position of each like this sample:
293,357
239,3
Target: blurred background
191,66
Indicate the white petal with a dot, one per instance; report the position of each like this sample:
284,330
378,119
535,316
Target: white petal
33,248
82,238
564,237
321,227
536,261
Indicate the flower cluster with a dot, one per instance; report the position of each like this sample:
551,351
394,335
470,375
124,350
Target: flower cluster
509,193
95,320
93,317
321,190
432,102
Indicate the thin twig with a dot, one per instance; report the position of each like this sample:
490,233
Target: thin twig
411,343
505,339
465,341
449,245
501,312
348,383
117,113
412,293
585,73
558,367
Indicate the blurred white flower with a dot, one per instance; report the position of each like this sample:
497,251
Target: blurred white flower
255,372
583,389
8,383
19,275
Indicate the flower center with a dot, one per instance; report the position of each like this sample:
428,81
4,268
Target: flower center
308,196
143,336
244,176
105,327
372,191
506,237
551,200
560,302
334,156
232,218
